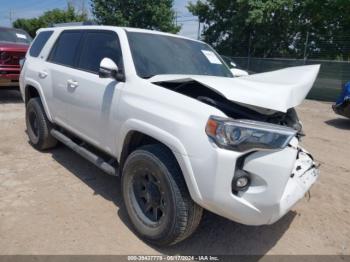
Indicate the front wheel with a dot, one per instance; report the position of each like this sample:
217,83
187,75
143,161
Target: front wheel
156,197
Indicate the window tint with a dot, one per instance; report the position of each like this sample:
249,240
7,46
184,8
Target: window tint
39,42
66,48
13,35
155,54
98,45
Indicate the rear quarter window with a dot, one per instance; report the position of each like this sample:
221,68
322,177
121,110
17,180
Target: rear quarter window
39,42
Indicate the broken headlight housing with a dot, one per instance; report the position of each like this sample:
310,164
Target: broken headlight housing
248,135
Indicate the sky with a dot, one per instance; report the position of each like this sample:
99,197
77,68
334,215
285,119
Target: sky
10,10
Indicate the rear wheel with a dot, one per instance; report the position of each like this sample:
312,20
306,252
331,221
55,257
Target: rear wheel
38,125
156,197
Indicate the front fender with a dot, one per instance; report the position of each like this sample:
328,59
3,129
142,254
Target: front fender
170,141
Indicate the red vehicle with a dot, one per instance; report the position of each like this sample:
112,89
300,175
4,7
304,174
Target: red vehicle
14,44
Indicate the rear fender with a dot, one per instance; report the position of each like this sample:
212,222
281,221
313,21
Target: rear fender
36,85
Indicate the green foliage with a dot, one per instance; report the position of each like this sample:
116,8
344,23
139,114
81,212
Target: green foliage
149,14
48,18
276,28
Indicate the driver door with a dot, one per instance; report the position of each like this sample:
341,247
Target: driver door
91,101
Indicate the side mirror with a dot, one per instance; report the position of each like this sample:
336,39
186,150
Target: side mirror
233,64
109,69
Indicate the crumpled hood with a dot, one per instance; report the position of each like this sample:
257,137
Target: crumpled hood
278,90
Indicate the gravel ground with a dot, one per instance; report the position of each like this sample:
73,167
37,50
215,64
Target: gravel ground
58,203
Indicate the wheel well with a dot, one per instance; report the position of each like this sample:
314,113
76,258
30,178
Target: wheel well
134,140
30,92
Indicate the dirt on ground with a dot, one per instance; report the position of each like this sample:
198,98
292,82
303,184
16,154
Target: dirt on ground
58,203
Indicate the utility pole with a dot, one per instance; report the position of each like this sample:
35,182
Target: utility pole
199,29
249,45
305,48
176,18
83,9
11,16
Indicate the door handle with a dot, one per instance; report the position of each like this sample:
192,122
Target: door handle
72,84
43,74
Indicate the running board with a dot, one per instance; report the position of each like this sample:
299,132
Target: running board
88,155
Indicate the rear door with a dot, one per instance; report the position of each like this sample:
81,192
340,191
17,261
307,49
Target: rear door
61,65
90,101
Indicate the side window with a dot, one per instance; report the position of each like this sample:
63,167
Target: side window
65,49
98,45
39,42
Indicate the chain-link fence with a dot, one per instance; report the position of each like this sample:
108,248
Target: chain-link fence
332,52
333,74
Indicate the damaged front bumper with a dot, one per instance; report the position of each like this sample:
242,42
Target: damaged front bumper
277,181
304,175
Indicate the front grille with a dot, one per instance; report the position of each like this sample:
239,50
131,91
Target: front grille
10,57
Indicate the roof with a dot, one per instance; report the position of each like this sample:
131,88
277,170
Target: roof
128,29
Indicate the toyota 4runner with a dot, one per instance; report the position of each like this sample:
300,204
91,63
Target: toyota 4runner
165,114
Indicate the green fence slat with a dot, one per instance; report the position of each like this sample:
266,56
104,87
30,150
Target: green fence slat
332,77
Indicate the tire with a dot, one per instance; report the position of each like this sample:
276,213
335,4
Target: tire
38,125
151,176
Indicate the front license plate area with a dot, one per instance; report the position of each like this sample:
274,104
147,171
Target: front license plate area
305,171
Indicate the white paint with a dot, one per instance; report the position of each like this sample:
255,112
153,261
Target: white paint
103,111
238,72
278,90
109,64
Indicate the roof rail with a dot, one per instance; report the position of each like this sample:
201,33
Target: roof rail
74,24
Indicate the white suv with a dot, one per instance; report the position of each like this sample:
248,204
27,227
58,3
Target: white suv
165,114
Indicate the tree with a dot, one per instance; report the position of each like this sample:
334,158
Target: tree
269,28
48,18
149,14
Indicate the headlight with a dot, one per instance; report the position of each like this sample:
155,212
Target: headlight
247,135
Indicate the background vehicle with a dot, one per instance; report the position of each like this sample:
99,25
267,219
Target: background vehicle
342,105
236,70
14,44
166,114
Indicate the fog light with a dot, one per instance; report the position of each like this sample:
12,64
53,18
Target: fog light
241,181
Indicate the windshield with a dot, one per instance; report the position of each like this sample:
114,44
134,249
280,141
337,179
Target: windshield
155,54
14,36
